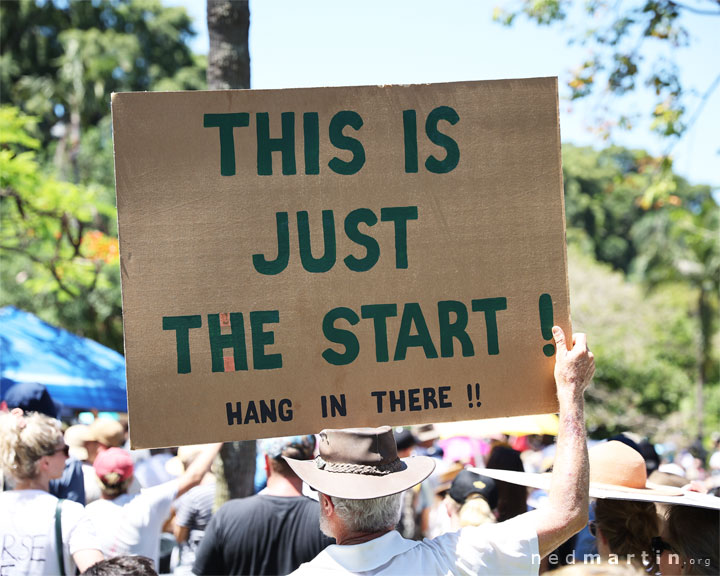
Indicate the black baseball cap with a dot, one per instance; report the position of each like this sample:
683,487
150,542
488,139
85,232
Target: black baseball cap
467,482
31,397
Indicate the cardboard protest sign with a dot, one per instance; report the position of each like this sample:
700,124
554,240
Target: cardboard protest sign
302,259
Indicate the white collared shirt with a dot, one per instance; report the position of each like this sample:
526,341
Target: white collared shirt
509,547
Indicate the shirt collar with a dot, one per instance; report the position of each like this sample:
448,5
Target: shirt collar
368,555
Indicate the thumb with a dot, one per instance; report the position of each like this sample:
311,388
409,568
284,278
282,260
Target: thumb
560,344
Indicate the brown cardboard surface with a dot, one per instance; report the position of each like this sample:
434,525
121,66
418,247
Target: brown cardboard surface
489,229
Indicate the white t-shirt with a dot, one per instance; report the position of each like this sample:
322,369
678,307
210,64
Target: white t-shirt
510,547
27,533
131,523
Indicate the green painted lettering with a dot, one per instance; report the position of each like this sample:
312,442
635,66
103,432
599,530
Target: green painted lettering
450,330
452,156
182,326
311,139
342,142
400,216
261,338
339,336
266,145
412,314
226,123
272,267
327,260
410,139
380,313
235,340
490,306
372,248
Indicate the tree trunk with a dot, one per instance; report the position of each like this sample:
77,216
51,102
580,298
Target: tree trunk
229,67
229,57
705,313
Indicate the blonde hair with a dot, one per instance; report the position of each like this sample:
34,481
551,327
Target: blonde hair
26,439
628,526
114,490
476,511
473,512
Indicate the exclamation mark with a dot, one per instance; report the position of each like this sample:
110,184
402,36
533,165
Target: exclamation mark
471,398
546,322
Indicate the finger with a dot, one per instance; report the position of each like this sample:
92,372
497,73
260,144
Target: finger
580,341
560,344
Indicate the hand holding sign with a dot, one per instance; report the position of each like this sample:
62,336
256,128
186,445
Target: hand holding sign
574,368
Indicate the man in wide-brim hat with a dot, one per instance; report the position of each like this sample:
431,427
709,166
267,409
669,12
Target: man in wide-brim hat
360,481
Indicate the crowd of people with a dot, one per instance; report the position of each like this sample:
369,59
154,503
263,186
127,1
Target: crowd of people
369,501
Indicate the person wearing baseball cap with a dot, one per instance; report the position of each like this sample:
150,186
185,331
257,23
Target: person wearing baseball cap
131,523
101,434
34,397
471,499
360,481
40,533
272,532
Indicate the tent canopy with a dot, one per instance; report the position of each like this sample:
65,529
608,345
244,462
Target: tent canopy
77,372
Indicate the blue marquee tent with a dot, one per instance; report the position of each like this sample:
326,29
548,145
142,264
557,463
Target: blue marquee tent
78,372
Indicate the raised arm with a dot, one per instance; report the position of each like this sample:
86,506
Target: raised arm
198,468
567,510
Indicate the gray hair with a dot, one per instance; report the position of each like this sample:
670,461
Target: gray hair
371,515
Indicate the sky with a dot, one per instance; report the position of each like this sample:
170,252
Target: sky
373,42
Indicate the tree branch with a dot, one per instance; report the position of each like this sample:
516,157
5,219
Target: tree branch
696,10
703,100
49,265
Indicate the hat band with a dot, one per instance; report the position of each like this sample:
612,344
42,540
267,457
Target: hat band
396,465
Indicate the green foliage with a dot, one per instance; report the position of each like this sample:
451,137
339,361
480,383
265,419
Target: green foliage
619,59
644,348
60,61
56,260
658,231
602,191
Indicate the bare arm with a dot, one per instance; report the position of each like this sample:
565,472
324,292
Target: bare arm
198,468
181,533
567,509
86,558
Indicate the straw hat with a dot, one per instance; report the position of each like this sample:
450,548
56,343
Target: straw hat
616,472
361,463
107,432
75,438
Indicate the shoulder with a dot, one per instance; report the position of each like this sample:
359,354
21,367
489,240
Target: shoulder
233,509
38,499
303,502
511,545
518,529
160,492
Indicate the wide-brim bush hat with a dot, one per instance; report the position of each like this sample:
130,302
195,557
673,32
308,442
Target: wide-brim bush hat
361,463
617,472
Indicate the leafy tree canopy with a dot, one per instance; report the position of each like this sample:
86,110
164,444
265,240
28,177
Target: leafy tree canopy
62,60
56,257
617,62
